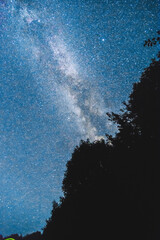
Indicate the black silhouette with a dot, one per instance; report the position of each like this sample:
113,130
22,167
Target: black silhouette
153,41
33,236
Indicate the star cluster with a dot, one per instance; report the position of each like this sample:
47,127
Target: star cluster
64,64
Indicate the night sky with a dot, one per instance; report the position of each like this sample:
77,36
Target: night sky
63,65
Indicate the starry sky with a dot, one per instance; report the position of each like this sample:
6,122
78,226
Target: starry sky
63,65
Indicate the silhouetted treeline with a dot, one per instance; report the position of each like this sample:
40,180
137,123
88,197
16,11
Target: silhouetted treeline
33,236
111,188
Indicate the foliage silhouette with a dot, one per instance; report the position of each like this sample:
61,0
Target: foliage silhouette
138,141
153,41
111,188
87,165
84,188
33,236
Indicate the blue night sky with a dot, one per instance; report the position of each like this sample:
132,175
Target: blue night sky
63,65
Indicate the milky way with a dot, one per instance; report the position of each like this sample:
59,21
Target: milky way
64,64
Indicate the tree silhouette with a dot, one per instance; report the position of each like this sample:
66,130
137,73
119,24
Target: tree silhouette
153,41
89,163
33,236
83,207
138,141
